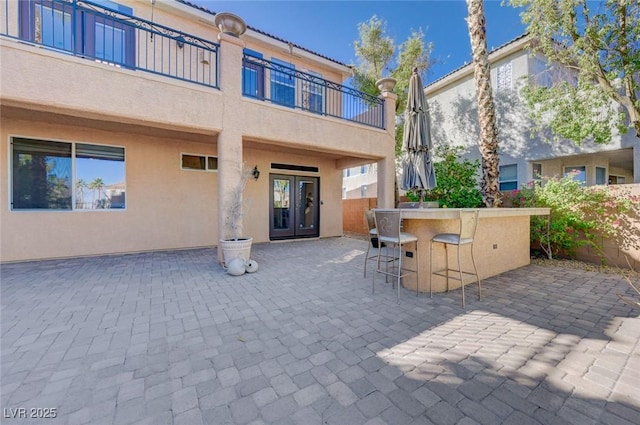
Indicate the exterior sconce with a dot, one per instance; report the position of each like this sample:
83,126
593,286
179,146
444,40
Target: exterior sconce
256,173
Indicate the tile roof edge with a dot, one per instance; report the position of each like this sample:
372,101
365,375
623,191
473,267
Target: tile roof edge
465,65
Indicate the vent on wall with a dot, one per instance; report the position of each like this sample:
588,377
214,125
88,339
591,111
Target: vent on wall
291,167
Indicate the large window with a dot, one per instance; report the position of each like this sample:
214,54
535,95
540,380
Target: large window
252,75
545,74
508,177
577,173
312,92
43,175
283,83
62,25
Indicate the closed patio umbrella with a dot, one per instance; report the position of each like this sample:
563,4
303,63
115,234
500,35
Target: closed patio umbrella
417,165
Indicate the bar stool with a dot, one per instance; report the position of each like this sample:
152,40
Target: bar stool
370,218
388,225
468,225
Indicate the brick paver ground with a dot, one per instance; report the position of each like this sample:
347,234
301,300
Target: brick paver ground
169,338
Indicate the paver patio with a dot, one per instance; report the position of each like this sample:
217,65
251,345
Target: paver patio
169,338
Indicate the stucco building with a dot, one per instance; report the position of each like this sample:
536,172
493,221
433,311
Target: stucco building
524,154
125,126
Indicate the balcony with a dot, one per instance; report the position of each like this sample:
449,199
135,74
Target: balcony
114,37
302,90
108,33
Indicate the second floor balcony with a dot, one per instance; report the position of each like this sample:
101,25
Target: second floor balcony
110,34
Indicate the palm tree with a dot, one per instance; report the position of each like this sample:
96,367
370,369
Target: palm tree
486,108
96,184
81,186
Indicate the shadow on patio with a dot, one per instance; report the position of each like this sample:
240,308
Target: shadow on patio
168,337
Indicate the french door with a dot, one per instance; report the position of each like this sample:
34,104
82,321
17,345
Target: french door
293,207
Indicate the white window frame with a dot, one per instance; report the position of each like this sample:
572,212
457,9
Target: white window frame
533,176
501,180
504,77
206,162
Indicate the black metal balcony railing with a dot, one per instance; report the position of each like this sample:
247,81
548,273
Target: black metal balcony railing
302,90
110,36
113,36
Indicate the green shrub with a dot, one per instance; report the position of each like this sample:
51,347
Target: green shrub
457,185
580,215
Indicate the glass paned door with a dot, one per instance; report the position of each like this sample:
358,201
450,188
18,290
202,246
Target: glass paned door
294,210
281,225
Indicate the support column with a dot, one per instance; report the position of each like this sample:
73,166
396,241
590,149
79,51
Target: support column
230,138
387,165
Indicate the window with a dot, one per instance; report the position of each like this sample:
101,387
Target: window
252,75
312,92
504,79
578,173
540,72
536,171
283,83
508,177
363,169
545,74
601,175
51,23
199,162
42,175
363,191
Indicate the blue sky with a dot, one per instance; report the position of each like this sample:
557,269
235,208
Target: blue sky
330,27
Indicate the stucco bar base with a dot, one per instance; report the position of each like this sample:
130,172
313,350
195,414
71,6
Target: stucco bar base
501,243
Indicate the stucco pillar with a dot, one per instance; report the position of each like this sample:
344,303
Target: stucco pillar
387,166
230,137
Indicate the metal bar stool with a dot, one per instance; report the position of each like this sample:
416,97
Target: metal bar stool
370,218
388,225
373,234
468,225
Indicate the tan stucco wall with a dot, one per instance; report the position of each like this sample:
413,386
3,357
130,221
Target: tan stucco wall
155,118
500,244
256,222
166,207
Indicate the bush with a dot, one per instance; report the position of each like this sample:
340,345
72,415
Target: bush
580,215
457,180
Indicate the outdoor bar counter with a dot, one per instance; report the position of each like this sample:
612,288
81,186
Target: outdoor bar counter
501,243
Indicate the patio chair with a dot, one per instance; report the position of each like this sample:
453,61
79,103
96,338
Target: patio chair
468,224
389,232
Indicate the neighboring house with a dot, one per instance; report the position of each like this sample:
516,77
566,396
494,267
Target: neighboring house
360,182
524,156
103,98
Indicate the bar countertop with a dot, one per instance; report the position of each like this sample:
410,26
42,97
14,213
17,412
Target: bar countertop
453,213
